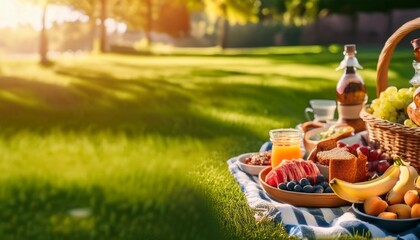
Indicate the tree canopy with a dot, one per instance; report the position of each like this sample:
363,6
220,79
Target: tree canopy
173,16
353,6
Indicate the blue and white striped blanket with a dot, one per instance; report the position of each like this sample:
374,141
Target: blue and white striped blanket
308,223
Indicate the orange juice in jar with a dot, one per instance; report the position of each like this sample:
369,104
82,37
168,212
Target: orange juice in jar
286,145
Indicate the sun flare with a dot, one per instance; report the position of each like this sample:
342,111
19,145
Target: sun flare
14,13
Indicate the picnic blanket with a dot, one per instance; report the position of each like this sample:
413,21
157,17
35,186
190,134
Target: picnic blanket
308,223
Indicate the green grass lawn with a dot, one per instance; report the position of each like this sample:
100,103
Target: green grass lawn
135,147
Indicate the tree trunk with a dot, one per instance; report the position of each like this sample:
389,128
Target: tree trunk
103,38
43,39
93,31
223,27
223,30
149,20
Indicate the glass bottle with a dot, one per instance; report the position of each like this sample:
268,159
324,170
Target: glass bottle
286,145
351,90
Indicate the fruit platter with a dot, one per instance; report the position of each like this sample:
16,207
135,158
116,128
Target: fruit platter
312,196
382,188
388,196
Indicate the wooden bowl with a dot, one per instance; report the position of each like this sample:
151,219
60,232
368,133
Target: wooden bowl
300,199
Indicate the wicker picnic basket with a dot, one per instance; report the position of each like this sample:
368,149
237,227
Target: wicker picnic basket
393,137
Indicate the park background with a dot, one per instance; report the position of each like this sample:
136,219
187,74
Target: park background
117,117
130,26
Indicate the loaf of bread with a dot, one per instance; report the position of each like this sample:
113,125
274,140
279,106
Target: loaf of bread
413,109
416,97
413,113
342,164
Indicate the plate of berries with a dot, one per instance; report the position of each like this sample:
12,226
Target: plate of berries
299,183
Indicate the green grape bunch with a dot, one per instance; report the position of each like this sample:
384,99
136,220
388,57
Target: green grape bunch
391,105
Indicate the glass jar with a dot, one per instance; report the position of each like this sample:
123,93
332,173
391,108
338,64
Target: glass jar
286,145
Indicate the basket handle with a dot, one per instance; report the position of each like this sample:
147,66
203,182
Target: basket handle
385,56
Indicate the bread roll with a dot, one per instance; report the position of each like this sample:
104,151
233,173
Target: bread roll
416,97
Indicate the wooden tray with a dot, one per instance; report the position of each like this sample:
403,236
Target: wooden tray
300,199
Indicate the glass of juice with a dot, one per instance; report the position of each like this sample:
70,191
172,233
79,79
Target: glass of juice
286,145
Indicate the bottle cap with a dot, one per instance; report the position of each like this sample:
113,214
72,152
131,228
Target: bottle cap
350,59
349,49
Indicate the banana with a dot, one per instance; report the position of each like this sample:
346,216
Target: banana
358,192
417,183
407,181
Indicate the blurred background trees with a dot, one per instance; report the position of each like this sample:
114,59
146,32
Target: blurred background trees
133,25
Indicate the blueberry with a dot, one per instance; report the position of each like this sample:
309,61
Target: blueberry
282,186
328,190
320,178
291,186
324,184
308,189
304,181
311,180
318,189
298,188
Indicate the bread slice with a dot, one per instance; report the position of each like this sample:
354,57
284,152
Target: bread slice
361,167
342,164
323,145
326,144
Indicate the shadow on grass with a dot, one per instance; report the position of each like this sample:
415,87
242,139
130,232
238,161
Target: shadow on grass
102,101
31,209
136,106
164,105
149,107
